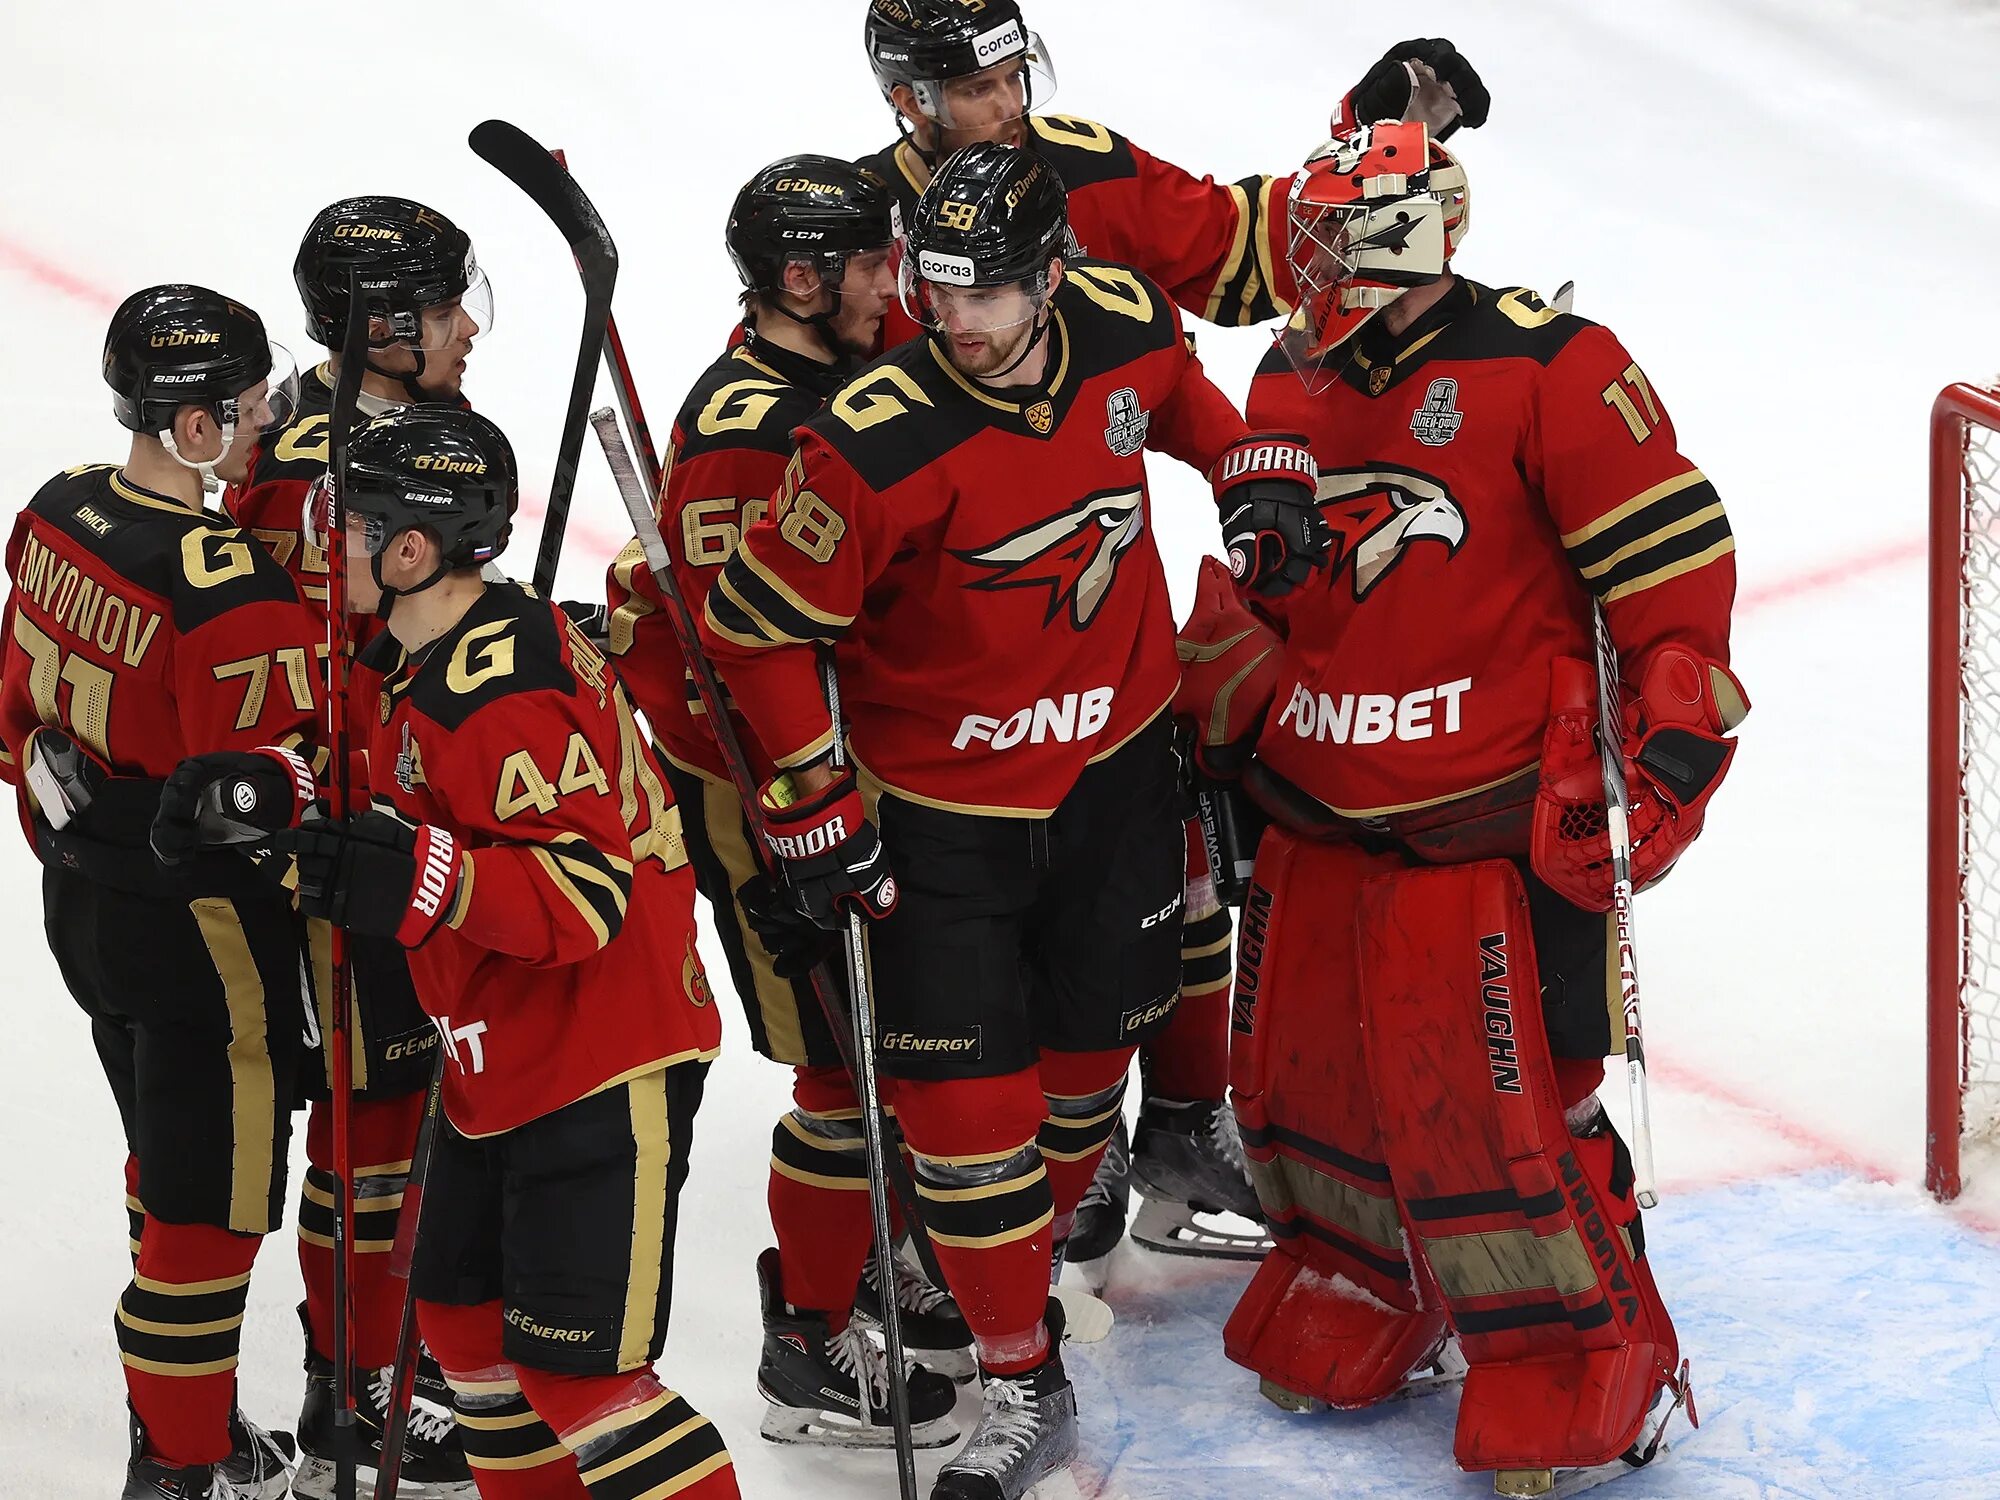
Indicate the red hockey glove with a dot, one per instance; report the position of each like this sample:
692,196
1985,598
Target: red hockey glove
831,854
375,874
1230,661
1266,485
230,798
1428,72
1675,753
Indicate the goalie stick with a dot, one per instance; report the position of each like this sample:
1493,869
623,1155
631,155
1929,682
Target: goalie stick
860,1063
339,651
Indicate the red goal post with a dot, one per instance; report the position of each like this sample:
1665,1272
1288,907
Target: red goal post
1963,940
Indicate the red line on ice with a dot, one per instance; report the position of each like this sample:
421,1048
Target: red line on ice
38,268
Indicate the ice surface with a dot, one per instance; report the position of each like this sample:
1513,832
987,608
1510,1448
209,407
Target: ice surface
1786,208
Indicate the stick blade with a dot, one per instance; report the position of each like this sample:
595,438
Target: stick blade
528,164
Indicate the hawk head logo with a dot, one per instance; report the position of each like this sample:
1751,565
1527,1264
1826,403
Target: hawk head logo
1376,514
1074,555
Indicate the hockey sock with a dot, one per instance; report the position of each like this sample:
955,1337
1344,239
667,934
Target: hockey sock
1189,1058
135,1211
1085,1094
632,1437
384,1138
179,1325
513,1453
819,1195
987,1204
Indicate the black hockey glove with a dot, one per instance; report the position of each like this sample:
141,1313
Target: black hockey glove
796,943
1429,71
230,798
1266,487
376,874
594,620
831,855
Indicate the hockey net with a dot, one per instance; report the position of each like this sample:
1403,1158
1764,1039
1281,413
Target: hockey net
1964,877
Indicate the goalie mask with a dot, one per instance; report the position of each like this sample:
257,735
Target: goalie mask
1373,214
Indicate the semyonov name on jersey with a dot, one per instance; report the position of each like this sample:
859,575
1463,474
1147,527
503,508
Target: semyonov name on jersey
1370,718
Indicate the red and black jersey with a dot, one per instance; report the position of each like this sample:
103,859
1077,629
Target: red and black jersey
1486,472
984,558
731,443
1219,248
148,632
568,963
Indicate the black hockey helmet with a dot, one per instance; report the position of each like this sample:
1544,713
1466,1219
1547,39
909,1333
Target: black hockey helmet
925,44
439,466
992,215
413,258
811,208
180,345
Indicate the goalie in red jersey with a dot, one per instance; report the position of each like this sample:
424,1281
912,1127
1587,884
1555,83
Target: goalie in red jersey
1423,1016
968,524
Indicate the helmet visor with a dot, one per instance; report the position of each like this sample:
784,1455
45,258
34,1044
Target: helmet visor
269,404
1023,78
937,293
456,323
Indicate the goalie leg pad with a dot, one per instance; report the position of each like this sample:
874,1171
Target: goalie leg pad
1528,1227
1332,1313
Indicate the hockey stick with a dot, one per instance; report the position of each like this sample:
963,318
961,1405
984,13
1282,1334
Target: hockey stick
403,1380
346,401
526,164
1619,829
882,1175
871,1134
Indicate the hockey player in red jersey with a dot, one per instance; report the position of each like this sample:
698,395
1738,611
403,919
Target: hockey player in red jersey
1423,1000
522,848
967,523
959,71
429,302
811,238
141,628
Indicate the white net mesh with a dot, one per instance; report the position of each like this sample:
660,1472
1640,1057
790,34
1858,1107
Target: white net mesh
1979,759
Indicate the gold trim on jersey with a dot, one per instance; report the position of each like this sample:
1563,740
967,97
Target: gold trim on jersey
652,1135
1402,807
1631,507
978,393
1672,529
124,489
1672,571
742,352
1234,261
658,1065
912,167
1264,264
776,1000
786,592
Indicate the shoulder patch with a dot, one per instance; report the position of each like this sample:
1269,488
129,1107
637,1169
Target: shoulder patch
1084,152
739,403
1514,323
508,645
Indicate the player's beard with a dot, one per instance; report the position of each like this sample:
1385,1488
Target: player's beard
997,351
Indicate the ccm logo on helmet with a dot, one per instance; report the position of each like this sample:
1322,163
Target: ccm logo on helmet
1370,718
812,841
1074,716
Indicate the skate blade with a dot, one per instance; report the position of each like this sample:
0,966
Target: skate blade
314,1480
1173,1229
784,1424
1087,1319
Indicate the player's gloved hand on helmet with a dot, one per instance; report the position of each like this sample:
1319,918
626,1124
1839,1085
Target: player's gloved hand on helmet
1675,751
1230,664
1266,486
374,873
230,798
831,855
1426,72
592,618
796,943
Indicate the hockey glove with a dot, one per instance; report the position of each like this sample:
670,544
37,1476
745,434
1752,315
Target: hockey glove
375,874
64,776
1675,754
1266,487
593,619
230,798
830,853
1230,662
1427,73
796,943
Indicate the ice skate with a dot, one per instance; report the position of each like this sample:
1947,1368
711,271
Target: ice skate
260,1464
434,1466
1188,1164
1026,1435
934,1331
1101,1215
1558,1484
833,1388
